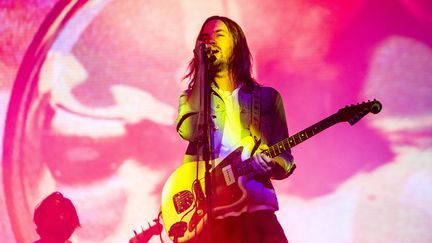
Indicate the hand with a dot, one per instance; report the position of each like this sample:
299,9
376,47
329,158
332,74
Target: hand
261,163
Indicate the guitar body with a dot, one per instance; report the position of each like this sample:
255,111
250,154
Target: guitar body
179,204
184,206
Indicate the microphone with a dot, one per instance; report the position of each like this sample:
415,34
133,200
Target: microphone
206,47
208,52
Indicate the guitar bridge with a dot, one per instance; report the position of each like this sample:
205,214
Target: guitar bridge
182,201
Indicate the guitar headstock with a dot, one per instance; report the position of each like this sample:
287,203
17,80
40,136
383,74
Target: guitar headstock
145,235
353,113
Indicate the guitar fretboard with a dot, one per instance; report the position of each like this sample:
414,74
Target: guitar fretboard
245,167
301,136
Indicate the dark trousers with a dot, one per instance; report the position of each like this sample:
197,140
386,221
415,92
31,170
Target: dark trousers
256,227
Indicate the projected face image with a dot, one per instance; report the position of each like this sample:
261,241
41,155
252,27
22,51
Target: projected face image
94,98
94,116
105,122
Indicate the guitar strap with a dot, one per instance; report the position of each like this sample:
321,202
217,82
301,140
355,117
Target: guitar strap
256,116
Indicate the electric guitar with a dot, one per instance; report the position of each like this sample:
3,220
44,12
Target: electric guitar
183,208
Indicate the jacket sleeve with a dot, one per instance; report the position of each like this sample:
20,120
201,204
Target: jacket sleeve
285,161
187,119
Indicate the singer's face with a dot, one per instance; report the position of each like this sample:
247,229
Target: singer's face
216,33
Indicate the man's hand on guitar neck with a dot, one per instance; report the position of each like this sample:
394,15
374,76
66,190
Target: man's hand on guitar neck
264,165
261,163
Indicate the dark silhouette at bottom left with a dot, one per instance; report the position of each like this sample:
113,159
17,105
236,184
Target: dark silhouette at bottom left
56,219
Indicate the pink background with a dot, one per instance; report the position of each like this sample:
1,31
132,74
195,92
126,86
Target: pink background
91,114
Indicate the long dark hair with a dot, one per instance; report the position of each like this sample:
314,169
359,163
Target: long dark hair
240,64
56,218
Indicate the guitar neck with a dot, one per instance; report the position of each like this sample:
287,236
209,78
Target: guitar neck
301,136
245,167
350,114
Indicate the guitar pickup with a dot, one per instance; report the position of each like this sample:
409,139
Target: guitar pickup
228,175
183,200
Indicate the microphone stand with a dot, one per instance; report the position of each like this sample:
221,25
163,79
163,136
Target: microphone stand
206,124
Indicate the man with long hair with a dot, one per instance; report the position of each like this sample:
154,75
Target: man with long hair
242,112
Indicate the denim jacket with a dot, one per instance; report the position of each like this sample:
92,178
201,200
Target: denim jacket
272,129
